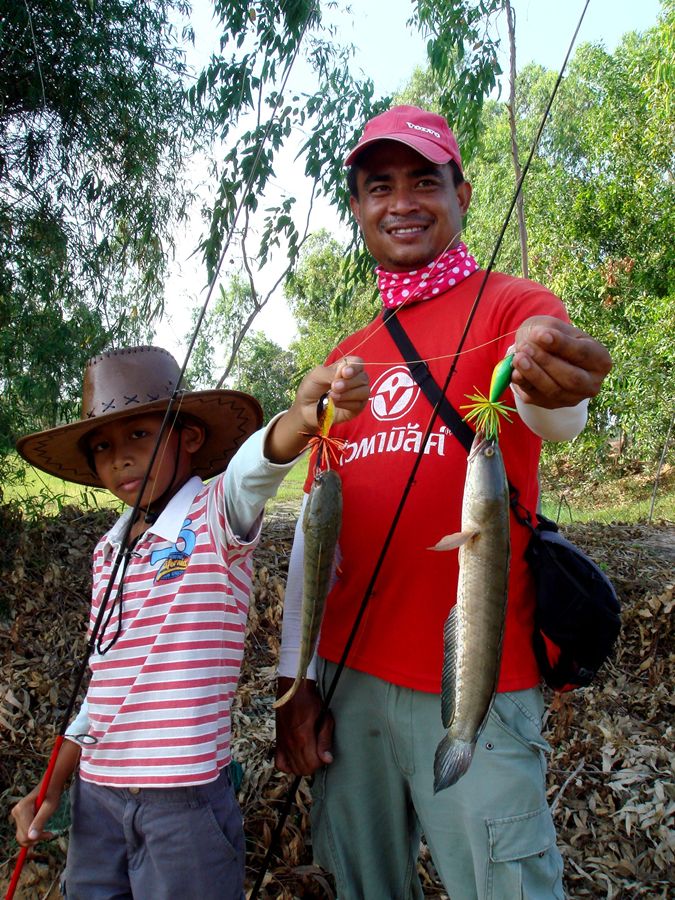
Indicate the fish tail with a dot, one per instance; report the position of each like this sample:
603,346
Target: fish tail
287,696
452,760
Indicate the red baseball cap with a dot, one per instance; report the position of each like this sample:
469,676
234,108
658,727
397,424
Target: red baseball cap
426,132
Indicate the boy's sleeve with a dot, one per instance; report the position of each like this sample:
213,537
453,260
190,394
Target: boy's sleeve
250,480
80,724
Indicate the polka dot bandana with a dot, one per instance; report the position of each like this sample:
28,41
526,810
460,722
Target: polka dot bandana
452,266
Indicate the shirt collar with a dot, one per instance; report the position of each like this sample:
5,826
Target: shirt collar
170,520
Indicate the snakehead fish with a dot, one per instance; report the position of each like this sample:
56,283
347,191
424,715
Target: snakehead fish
321,524
473,632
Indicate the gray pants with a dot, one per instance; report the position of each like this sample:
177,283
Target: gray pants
155,843
491,834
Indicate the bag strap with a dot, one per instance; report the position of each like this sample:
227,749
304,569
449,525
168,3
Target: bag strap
420,372
463,432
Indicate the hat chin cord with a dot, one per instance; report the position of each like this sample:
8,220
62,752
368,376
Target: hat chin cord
151,515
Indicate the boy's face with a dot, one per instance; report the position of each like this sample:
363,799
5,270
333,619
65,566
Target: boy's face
121,452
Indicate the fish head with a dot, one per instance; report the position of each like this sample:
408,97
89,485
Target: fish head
482,446
486,482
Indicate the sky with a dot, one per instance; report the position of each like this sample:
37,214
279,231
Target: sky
387,51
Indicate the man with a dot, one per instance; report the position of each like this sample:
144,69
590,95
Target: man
491,834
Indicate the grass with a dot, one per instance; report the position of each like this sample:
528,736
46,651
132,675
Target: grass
614,499
626,512
292,486
625,498
38,493
621,498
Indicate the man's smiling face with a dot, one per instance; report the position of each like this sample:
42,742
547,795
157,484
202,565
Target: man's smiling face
408,208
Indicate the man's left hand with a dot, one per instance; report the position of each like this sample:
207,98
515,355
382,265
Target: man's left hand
557,364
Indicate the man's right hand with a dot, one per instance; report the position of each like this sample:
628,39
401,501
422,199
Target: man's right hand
300,749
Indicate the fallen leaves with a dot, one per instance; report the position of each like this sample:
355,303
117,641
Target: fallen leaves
611,773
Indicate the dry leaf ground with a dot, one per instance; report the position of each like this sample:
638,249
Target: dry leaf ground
611,769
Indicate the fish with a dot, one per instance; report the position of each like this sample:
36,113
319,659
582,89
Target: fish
474,630
321,526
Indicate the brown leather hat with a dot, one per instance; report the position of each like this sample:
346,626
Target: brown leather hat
130,382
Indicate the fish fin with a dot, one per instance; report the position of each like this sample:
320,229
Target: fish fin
454,541
449,661
289,693
306,512
452,760
336,570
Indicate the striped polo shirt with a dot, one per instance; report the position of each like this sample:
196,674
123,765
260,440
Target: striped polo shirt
157,712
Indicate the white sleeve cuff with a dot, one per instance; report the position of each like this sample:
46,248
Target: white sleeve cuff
291,629
80,724
560,424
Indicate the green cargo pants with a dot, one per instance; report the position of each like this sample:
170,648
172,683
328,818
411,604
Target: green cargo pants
491,835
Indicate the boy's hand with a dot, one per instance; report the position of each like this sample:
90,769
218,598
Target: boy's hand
556,364
29,824
347,383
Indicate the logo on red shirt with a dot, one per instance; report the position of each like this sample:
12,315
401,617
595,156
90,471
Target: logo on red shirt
393,394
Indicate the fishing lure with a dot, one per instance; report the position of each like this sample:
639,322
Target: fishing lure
487,412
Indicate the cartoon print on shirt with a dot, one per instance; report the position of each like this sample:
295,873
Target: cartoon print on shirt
176,557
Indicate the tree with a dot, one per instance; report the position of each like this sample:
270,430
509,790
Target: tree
463,63
92,130
463,69
312,291
515,156
250,84
267,371
245,95
223,327
600,202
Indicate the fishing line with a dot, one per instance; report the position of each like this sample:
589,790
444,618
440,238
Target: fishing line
427,359
124,549
418,459
434,415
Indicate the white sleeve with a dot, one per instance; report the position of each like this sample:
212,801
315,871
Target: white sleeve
80,724
291,629
250,480
560,424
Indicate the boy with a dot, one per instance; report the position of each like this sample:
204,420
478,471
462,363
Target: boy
153,812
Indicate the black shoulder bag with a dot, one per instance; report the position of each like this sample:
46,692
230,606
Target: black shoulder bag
577,617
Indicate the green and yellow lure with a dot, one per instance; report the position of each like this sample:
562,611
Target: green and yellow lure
487,412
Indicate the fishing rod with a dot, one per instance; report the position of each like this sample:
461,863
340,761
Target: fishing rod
125,549
416,464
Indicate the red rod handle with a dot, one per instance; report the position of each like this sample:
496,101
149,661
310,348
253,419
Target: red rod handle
42,793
